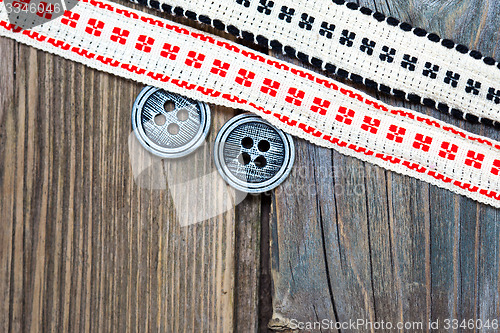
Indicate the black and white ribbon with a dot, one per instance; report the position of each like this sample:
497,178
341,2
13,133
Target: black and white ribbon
364,46
134,45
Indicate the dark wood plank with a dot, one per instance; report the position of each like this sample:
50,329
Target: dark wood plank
299,269
247,271
86,244
7,184
392,248
84,247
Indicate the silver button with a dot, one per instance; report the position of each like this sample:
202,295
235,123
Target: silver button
169,125
252,155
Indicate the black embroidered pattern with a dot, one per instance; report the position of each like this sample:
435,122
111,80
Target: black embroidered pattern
452,78
419,32
286,14
388,54
493,95
367,46
433,38
327,30
347,38
306,21
405,26
462,48
430,70
409,62
245,3
473,87
265,7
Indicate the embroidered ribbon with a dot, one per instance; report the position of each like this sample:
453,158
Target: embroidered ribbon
138,46
361,45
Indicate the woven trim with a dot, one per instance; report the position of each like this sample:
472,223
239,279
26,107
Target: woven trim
247,19
134,45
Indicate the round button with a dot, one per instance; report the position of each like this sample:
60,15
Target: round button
169,125
252,155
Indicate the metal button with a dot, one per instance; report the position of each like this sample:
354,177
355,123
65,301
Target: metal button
252,155
169,125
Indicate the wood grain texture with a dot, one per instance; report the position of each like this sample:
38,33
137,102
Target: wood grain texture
351,241
247,273
85,244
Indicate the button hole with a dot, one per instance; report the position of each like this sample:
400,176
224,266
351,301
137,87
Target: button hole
264,145
183,115
244,158
169,106
160,119
173,129
260,161
247,142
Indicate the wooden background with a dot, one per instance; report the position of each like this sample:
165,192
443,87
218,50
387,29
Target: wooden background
84,248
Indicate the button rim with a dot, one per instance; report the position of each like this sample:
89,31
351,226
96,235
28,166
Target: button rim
230,179
153,148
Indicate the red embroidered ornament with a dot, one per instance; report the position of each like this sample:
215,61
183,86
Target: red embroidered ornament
138,46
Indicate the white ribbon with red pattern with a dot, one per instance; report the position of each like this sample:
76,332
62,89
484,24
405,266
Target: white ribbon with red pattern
145,48
364,46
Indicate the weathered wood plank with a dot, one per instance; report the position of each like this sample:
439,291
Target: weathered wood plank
7,188
247,271
86,245
402,250
300,275
84,248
